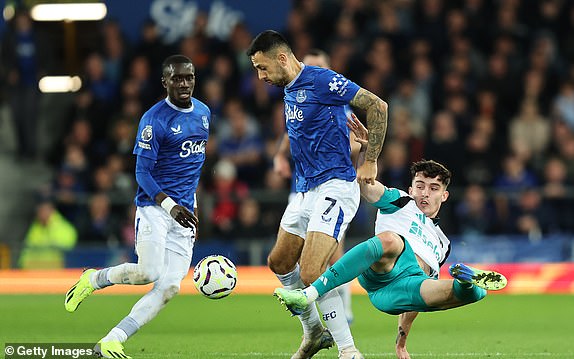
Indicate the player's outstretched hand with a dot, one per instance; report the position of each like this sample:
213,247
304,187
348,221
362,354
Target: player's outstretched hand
184,216
360,131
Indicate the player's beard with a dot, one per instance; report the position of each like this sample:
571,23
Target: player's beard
282,81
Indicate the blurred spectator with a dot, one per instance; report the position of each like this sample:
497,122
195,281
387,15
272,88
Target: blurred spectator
501,81
139,73
249,222
532,216
394,169
103,89
214,97
535,90
423,74
515,177
474,215
227,192
415,101
481,154
151,46
401,130
556,193
530,129
239,41
48,238
99,225
25,57
564,104
566,150
115,52
240,142
444,144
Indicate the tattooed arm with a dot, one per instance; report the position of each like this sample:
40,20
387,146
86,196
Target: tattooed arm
377,116
405,322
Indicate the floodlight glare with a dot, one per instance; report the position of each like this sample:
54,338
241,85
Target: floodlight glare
69,12
51,84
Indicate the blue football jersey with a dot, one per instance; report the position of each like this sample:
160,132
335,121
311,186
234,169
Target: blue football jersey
316,109
175,138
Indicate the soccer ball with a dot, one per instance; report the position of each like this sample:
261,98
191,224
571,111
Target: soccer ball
215,276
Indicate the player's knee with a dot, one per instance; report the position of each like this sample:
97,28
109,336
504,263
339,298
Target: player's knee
390,241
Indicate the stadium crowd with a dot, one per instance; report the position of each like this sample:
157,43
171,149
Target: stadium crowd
485,87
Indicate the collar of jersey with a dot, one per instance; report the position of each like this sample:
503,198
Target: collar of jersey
186,110
296,77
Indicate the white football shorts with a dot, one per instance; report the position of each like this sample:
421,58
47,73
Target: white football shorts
327,208
153,223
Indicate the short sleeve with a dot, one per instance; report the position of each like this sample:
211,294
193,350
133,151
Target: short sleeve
388,203
334,88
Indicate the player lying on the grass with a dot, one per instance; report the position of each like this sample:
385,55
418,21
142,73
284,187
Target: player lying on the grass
399,266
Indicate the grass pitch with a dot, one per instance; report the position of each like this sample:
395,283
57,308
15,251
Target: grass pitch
254,326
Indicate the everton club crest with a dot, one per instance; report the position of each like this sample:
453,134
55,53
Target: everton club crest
301,96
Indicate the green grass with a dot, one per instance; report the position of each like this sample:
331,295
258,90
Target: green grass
250,326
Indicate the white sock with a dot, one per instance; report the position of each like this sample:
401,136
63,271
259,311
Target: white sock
311,293
115,334
333,311
345,293
310,319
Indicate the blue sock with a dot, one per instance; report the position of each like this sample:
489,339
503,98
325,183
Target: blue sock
350,265
467,292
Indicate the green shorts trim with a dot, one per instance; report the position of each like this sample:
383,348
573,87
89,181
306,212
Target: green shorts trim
399,290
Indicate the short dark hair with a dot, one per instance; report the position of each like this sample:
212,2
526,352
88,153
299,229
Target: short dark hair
266,41
175,59
431,169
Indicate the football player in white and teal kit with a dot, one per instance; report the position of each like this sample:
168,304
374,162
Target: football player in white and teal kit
399,266
170,150
327,184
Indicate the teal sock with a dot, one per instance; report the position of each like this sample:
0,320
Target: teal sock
467,292
350,265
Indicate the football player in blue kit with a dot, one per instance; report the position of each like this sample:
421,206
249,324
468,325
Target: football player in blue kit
281,165
170,150
327,184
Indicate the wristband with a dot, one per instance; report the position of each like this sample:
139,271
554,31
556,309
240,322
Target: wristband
168,204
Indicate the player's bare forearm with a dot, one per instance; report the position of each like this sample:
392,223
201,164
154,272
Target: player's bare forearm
281,159
284,144
372,192
377,116
405,323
